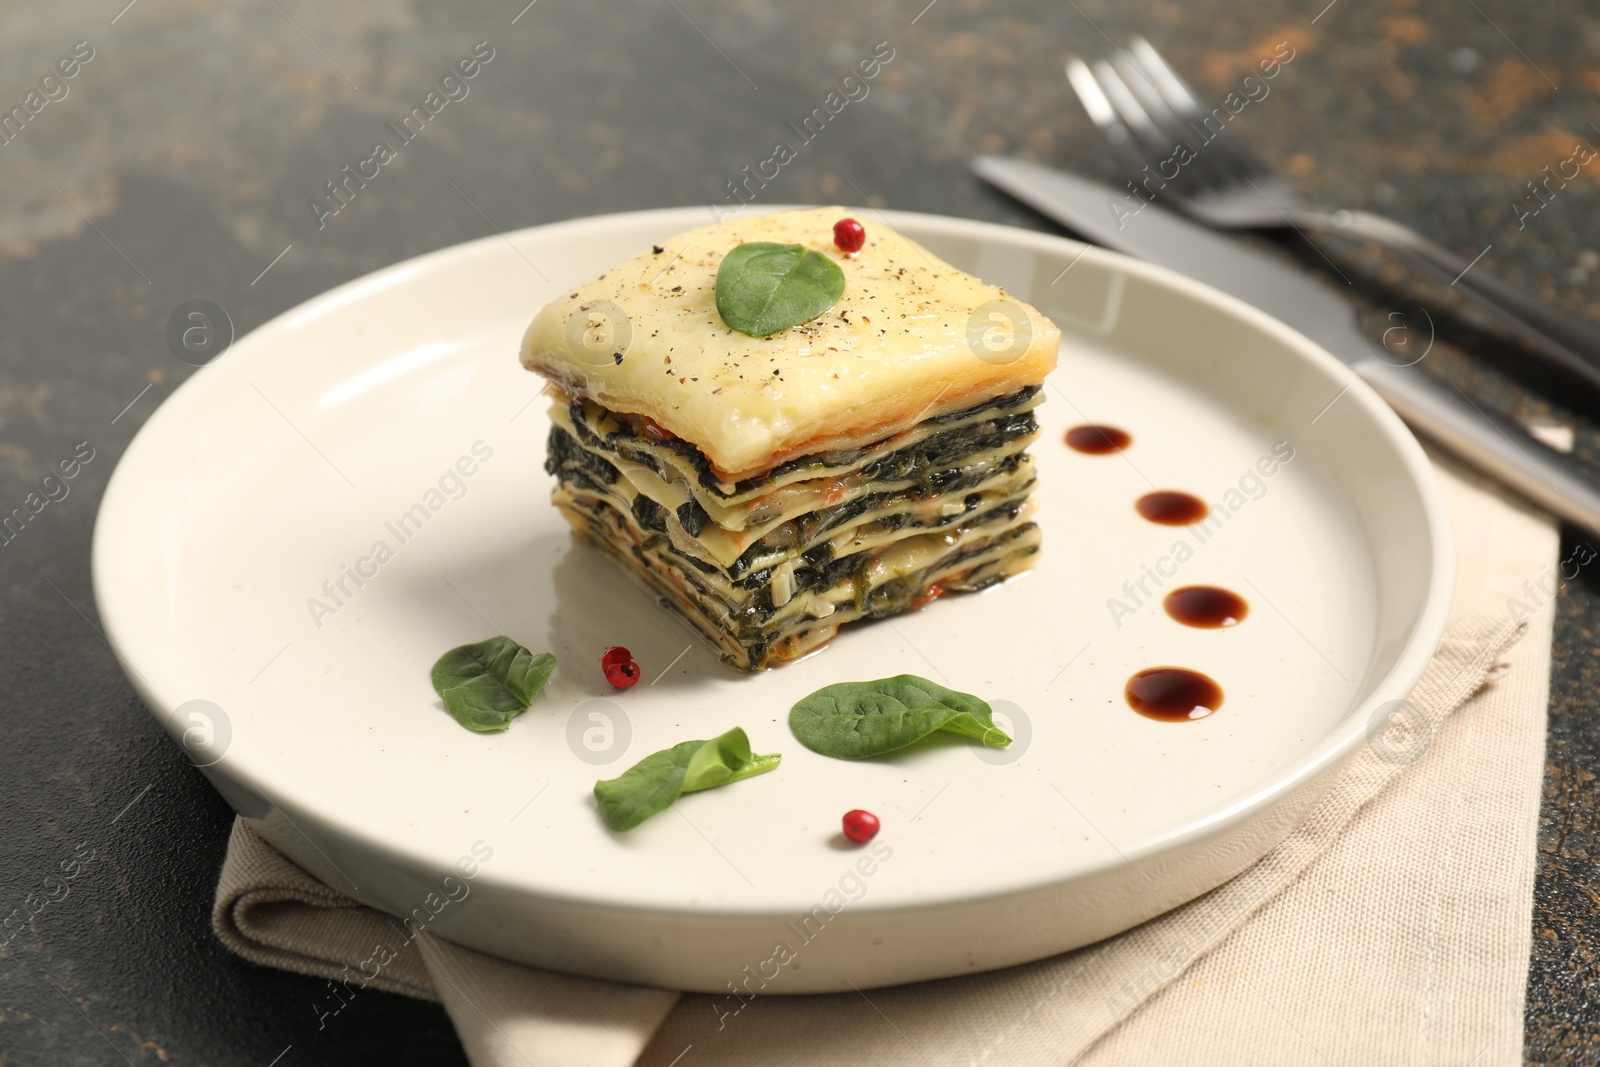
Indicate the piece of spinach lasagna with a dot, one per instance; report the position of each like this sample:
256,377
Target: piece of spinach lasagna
852,465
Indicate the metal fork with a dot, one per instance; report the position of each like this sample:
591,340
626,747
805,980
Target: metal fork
1143,107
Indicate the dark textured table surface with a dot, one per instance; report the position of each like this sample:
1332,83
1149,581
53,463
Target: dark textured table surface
181,163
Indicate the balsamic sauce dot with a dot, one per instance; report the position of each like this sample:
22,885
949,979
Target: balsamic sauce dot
1173,694
1098,440
1206,607
1169,507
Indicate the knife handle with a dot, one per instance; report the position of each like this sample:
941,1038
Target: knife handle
1555,481
1570,343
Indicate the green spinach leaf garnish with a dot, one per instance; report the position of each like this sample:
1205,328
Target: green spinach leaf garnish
652,784
486,685
763,287
854,720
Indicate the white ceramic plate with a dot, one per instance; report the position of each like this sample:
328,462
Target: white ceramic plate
284,463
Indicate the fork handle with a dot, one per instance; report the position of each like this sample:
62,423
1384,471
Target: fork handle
1571,343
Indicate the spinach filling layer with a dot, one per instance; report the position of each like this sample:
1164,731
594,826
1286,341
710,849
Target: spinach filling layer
622,440
805,535
981,561
815,543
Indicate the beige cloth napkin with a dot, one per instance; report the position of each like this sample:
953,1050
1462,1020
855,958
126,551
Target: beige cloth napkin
1391,927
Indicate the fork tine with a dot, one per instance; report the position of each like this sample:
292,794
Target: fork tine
1094,101
1181,98
1107,116
1200,166
1164,78
1151,141
1158,147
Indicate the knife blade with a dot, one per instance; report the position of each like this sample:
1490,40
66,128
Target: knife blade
1489,441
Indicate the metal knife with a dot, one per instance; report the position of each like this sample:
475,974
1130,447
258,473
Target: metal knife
1495,444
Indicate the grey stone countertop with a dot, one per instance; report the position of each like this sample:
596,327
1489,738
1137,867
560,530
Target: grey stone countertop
180,161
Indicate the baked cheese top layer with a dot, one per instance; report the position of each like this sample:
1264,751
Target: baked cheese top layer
911,337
